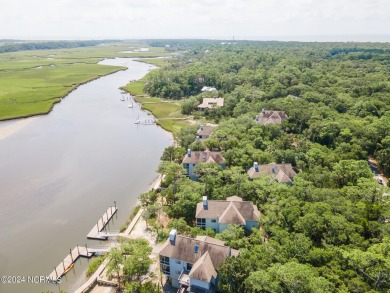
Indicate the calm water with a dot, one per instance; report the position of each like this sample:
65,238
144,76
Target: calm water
60,172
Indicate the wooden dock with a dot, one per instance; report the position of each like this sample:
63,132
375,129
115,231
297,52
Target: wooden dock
97,231
68,262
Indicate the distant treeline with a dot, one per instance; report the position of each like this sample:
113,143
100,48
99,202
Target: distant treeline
23,46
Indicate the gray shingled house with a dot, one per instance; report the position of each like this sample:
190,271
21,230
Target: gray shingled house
271,117
218,214
282,173
192,263
204,132
191,159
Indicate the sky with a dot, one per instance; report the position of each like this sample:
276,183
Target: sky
205,19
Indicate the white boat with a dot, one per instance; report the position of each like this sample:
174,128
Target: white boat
122,98
137,122
130,105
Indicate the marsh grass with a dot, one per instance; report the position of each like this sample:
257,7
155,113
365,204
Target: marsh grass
135,88
31,82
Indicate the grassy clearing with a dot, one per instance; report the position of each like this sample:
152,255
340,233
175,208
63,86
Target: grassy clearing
173,126
159,62
135,87
148,100
163,110
31,82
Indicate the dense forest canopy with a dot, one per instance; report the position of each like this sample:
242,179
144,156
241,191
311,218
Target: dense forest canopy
330,230
335,94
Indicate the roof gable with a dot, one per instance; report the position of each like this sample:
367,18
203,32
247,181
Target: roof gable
204,157
203,269
183,249
232,216
228,211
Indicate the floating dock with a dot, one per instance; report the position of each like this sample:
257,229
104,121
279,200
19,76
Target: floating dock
68,262
97,231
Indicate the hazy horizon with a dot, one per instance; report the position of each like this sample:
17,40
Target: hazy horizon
385,38
199,19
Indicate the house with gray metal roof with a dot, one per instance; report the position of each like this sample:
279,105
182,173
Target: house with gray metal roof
218,214
192,263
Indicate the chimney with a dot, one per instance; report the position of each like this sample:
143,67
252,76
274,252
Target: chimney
205,203
257,118
204,155
189,152
201,127
262,111
197,137
172,236
256,166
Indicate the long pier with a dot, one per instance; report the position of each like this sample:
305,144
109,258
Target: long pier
96,232
68,262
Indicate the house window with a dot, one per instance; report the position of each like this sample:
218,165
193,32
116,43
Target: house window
189,267
201,223
178,261
164,265
177,272
187,167
213,220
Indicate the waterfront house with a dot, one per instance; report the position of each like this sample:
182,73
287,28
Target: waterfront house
204,132
192,159
192,263
210,103
282,173
218,214
271,117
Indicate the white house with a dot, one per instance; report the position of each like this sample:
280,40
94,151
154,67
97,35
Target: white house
210,103
192,263
218,214
192,159
208,89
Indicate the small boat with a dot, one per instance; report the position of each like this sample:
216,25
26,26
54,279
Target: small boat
122,98
69,268
137,121
130,105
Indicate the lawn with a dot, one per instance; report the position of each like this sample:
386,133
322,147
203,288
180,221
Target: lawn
164,110
161,108
173,126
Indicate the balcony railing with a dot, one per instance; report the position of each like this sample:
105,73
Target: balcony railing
184,278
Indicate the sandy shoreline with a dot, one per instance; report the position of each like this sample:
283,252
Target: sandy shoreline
9,128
